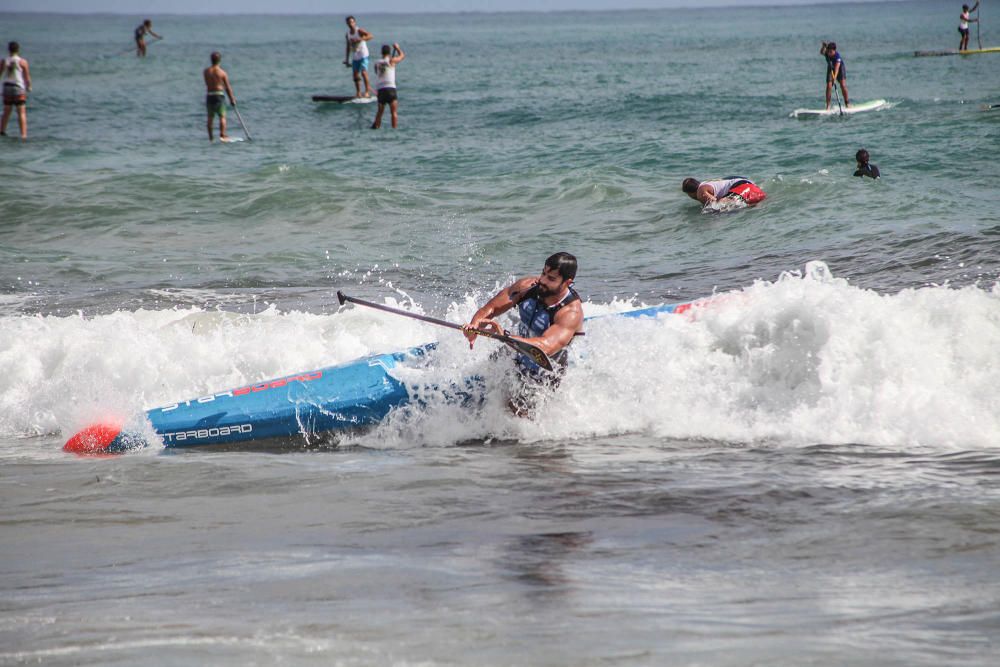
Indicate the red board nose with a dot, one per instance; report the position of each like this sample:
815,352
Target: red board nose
94,439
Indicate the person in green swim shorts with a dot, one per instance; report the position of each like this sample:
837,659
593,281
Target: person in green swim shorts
217,87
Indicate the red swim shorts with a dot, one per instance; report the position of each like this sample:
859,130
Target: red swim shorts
750,193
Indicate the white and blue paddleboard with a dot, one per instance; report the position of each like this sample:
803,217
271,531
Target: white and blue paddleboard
840,110
343,99
353,395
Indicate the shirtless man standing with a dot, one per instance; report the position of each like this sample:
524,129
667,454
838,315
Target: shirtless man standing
217,87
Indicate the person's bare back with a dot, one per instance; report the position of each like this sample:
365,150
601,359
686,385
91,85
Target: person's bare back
216,79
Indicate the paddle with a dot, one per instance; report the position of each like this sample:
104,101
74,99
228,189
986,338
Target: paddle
533,352
242,124
979,22
837,93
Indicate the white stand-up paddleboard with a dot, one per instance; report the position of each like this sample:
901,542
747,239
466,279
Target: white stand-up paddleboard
838,110
343,99
230,140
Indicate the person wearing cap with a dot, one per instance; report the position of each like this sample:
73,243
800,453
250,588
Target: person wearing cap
963,25
835,71
865,168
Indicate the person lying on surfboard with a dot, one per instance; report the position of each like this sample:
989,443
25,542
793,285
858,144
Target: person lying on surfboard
865,168
963,25
217,85
835,71
551,314
733,187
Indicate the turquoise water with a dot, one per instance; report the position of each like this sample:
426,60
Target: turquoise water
805,474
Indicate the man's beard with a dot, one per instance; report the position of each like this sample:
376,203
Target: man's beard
544,291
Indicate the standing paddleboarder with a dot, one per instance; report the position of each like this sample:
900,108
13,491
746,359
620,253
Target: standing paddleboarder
141,30
963,25
385,83
217,88
835,71
357,52
16,86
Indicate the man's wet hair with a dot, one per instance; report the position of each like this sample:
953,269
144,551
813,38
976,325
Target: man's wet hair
13,47
216,57
862,156
831,45
564,263
349,18
386,50
147,22
690,185
965,8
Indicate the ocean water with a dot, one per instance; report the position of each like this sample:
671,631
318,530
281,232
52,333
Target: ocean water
807,472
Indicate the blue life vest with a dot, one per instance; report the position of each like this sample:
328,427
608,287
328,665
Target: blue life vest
536,318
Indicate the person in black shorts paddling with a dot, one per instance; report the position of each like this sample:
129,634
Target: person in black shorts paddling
835,71
385,83
143,29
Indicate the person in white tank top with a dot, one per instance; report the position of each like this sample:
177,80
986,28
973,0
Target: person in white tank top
356,56
963,25
16,85
385,83
708,192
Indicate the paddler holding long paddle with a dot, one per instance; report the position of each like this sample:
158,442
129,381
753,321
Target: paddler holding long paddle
551,315
217,88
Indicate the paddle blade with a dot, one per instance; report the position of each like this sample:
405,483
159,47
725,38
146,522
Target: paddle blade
532,352
341,297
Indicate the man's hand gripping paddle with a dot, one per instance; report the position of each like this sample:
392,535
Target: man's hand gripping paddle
533,352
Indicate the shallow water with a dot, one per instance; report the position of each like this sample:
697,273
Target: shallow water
804,473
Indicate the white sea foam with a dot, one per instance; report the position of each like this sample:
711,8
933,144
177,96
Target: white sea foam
805,359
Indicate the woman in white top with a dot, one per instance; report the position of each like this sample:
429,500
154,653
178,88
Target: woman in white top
16,85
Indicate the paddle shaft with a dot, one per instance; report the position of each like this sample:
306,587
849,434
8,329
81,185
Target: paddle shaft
242,124
979,22
837,93
533,351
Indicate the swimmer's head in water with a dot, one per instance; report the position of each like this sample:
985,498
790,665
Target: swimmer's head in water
690,185
862,156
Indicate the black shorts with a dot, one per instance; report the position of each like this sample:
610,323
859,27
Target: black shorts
14,95
386,95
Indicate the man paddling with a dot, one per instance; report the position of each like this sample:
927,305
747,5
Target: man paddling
16,86
143,29
551,314
731,187
217,88
835,71
357,52
385,83
963,25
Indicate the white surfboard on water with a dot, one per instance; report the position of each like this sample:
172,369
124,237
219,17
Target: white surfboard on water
835,110
725,205
343,99
230,140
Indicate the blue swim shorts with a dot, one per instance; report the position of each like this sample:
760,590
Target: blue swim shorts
358,65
